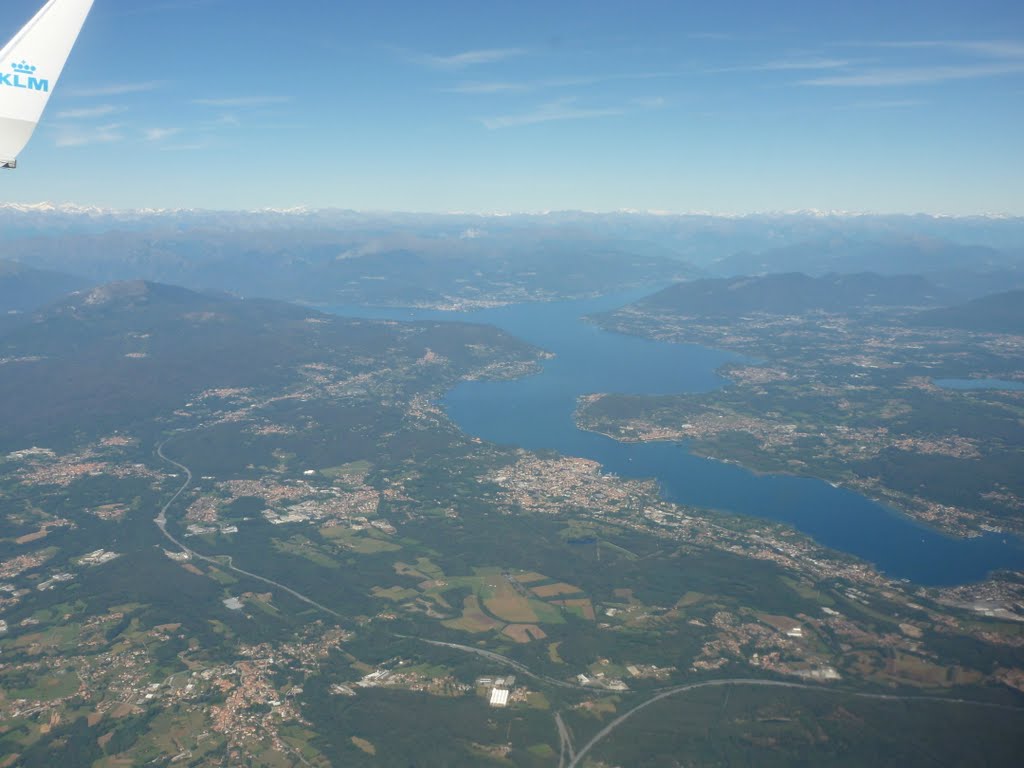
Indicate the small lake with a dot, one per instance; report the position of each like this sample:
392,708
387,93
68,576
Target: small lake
536,412
979,384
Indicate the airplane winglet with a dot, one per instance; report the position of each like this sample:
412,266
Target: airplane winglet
30,65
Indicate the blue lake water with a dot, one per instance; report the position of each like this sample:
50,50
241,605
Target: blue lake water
979,384
536,412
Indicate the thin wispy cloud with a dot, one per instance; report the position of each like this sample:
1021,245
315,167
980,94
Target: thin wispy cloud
473,58
561,82
120,89
242,101
552,83
551,112
996,49
791,65
83,137
938,61
785,65
884,104
159,134
224,120
194,147
487,88
87,113
921,75
653,102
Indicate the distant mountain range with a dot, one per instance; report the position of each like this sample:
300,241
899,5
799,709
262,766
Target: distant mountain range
703,239
338,257
791,293
335,267
844,254
999,313
925,304
24,288
117,355
102,358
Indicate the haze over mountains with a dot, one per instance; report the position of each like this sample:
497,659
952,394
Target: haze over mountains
701,238
846,253
23,288
101,359
998,313
922,302
325,492
337,257
792,293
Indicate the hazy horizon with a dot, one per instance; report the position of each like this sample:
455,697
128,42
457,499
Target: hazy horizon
72,206
652,106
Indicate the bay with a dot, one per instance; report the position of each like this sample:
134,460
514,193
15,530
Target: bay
536,412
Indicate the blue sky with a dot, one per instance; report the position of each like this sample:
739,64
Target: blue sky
524,106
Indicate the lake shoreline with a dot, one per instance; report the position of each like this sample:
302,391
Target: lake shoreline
537,413
684,443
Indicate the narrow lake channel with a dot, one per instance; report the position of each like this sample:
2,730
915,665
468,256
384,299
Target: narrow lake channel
536,412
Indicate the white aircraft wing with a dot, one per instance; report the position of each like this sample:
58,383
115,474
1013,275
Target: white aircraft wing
29,67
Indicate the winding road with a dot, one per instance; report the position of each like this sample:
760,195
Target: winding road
607,730
565,741
567,750
223,561
505,660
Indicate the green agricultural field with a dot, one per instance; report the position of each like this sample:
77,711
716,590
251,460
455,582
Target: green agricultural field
360,542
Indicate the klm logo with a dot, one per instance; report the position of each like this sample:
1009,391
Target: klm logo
24,77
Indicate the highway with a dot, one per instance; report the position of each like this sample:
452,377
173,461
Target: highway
565,741
607,730
575,757
505,661
222,561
